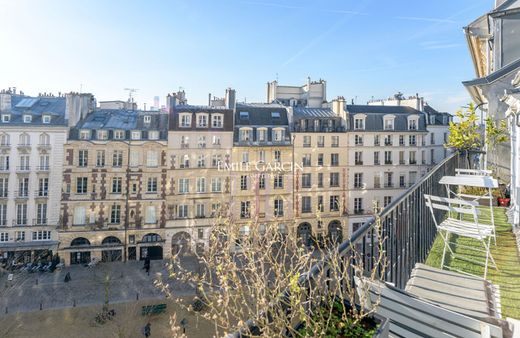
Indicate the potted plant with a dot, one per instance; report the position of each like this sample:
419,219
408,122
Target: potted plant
343,321
502,195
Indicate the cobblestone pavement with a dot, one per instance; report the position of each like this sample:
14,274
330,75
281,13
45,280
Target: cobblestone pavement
128,281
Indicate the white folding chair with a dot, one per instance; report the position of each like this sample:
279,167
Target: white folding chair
464,228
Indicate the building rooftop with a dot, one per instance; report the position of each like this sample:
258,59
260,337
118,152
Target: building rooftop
122,119
36,107
374,120
261,115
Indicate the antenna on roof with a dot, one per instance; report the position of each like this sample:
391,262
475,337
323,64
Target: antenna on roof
131,91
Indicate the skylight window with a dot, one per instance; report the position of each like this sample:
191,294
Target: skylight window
275,115
244,115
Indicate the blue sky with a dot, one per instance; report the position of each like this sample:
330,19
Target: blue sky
363,49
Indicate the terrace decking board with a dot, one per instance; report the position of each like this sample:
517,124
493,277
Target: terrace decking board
454,291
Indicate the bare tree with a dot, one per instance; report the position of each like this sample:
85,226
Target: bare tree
265,276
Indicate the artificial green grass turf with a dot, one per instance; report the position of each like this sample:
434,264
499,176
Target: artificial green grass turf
505,254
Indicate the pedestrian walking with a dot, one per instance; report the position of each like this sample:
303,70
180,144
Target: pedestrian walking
147,330
67,277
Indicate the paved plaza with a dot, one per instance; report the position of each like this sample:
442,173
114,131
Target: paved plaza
128,282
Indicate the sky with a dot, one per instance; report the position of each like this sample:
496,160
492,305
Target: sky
364,49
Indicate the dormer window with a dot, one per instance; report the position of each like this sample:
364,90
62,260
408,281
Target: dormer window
119,134
412,123
84,134
245,134
27,119
185,120
444,120
262,134
46,119
359,123
389,122
6,118
278,135
202,120
217,120
102,135
136,135
153,135
244,115
147,119
432,119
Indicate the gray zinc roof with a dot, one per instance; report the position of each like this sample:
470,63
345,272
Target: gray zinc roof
36,107
374,117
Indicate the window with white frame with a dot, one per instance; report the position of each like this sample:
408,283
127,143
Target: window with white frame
202,120
21,214
184,185
44,162
245,157
81,185
20,236
358,205
216,184
135,135
79,216
102,134
147,119
185,120
182,211
201,142
119,134
100,158
3,214
4,140
45,139
261,156
215,160
115,214
24,139
412,123
152,158
217,120
201,161
152,185
117,158
389,123
185,161
200,210
278,181
42,235
262,134
278,135
4,236
82,158
153,135
278,207
243,182
359,123
6,118
27,118
84,134
245,209
201,184
412,140
216,140
245,134
41,213
117,183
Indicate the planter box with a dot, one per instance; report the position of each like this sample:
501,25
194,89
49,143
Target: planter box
383,326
